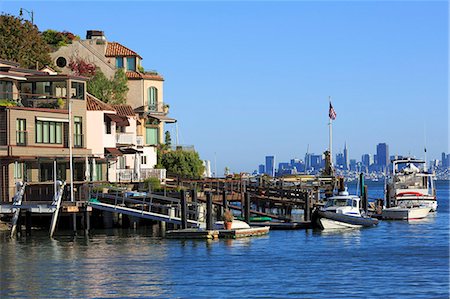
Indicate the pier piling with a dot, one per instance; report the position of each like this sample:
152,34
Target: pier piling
247,207
307,211
183,203
209,210
28,223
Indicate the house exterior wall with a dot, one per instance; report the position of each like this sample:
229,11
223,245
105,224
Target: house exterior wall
97,139
88,51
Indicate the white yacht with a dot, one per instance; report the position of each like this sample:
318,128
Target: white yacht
342,211
404,212
410,185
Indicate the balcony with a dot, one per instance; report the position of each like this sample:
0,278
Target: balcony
126,138
129,175
158,108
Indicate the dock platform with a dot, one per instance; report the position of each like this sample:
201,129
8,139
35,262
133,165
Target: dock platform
216,234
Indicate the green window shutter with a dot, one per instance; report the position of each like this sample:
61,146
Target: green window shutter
151,136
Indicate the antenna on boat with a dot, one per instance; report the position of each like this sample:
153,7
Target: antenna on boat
425,145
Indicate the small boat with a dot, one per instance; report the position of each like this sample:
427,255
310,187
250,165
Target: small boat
405,213
342,211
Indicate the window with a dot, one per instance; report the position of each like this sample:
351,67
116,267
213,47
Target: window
151,136
119,62
99,172
131,63
77,90
152,95
77,132
6,90
108,126
121,163
48,132
144,160
61,62
46,172
18,170
21,132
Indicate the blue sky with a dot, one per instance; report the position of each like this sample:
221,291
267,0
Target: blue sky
249,79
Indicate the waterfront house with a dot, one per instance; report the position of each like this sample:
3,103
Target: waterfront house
34,128
145,94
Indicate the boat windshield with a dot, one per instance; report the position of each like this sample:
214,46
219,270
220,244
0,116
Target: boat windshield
342,202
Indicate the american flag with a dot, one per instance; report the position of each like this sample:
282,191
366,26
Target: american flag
332,113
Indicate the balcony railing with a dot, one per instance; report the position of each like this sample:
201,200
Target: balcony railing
22,138
129,175
159,108
125,138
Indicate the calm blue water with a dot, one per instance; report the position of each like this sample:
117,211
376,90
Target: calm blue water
393,260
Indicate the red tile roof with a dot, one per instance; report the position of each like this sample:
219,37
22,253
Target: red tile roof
114,49
137,75
94,104
124,110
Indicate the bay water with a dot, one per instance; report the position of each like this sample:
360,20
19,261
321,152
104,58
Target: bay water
396,259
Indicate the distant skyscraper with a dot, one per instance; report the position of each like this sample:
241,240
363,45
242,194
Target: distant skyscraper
345,164
270,165
353,165
382,155
340,160
261,169
366,160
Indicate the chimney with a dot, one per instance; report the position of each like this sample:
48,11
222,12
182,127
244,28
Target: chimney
95,34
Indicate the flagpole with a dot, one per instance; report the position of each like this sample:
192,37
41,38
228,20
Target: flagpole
330,145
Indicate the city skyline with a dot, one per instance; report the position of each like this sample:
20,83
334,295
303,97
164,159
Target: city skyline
378,160
246,79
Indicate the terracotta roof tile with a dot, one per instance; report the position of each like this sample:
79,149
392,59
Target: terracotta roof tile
94,104
137,75
124,110
114,49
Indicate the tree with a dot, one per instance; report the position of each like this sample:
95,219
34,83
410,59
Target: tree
167,139
109,91
57,39
186,164
21,42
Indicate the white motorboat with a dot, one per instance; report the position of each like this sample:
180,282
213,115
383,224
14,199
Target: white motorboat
411,185
342,211
405,213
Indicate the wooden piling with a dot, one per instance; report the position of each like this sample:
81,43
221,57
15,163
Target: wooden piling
247,207
307,211
183,203
209,211
366,203
28,223
86,221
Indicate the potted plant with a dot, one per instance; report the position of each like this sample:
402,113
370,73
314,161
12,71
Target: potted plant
227,219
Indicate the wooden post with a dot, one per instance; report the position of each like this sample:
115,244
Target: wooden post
307,211
86,222
28,223
224,201
183,203
247,207
194,202
209,210
388,201
366,201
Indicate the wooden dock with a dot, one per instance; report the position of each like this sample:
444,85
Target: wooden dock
215,234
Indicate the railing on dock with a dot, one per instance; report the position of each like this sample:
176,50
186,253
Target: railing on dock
148,206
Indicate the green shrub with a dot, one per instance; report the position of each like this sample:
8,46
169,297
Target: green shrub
154,183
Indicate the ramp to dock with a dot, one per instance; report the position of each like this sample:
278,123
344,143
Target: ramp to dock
153,207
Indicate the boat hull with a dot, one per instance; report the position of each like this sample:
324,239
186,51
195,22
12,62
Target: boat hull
398,213
331,220
426,202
